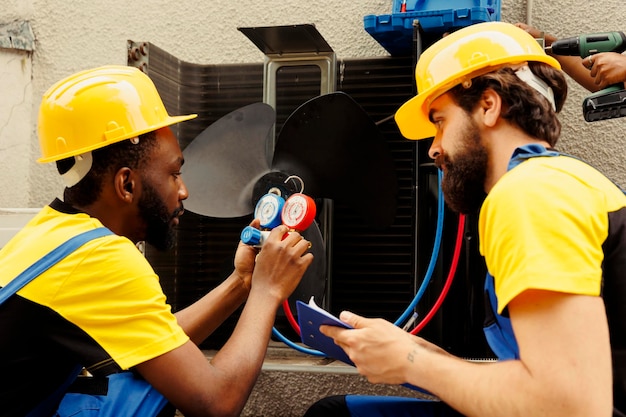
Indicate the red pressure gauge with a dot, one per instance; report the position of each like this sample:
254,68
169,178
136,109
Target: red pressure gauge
298,212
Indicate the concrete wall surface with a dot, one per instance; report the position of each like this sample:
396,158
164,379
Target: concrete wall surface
79,34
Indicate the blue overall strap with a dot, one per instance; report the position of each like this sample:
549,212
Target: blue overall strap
51,258
529,151
497,328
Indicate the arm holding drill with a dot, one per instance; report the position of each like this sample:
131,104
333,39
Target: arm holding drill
607,68
595,73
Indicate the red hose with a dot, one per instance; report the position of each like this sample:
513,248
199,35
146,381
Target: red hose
446,287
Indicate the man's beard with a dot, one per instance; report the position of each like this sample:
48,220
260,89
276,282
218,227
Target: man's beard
159,228
463,183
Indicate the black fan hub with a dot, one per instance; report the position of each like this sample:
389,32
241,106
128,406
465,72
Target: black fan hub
278,183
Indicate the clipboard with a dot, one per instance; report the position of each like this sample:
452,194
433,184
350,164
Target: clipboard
310,318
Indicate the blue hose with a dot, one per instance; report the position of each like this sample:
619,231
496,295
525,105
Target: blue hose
433,257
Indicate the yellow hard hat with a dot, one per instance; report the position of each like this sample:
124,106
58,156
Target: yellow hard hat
97,107
465,54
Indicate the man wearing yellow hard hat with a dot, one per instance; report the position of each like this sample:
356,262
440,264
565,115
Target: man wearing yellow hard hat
552,230
84,296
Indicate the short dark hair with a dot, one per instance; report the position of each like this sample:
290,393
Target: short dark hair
106,160
523,105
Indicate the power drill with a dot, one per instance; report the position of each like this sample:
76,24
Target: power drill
610,102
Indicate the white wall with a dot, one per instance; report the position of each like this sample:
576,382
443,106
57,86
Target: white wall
16,125
78,34
16,116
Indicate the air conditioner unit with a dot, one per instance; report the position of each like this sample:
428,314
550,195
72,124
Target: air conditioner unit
372,272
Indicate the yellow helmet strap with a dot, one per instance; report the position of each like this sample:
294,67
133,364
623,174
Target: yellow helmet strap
526,75
82,165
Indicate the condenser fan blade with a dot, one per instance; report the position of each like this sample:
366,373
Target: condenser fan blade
333,145
223,163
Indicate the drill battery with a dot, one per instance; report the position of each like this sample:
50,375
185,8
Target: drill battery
609,103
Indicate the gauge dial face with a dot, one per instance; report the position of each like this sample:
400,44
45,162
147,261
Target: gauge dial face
268,210
298,212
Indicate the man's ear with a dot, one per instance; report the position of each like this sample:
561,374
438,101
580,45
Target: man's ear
491,107
124,184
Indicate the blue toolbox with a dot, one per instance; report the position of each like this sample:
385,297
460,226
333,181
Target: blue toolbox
395,31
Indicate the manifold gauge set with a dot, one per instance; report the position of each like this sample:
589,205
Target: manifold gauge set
297,212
